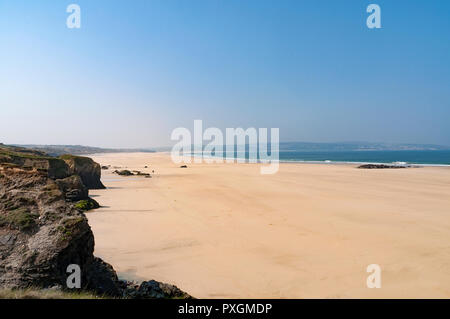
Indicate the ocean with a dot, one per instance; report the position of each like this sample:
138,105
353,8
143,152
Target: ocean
423,157
419,157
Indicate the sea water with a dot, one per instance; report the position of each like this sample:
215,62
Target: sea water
401,157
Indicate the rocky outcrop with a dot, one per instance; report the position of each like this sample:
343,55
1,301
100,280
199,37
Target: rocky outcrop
126,172
87,204
26,159
43,230
43,233
152,290
86,168
380,166
73,188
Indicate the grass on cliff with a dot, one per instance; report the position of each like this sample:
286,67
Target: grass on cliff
15,157
19,218
13,153
87,204
36,293
68,226
78,159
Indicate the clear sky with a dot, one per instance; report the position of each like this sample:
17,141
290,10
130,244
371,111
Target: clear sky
138,69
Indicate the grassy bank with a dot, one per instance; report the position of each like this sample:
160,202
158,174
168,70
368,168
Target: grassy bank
34,293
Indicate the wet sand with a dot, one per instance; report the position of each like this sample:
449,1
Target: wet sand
309,231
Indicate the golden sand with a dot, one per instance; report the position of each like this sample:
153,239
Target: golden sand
309,231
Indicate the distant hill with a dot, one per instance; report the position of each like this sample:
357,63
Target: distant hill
57,150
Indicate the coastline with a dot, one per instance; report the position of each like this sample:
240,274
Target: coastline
336,162
309,231
411,165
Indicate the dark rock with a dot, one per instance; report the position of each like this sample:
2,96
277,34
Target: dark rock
380,166
183,166
124,172
102,279
139,173
73,188
87,204
155,290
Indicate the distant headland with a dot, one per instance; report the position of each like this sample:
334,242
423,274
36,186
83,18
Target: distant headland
57,150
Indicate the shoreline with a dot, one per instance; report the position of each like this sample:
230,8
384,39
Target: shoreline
329,162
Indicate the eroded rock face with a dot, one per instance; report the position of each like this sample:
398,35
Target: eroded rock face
86,168
73,188
42,232
53,167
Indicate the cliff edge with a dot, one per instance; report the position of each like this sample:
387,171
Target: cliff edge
88,170
43,230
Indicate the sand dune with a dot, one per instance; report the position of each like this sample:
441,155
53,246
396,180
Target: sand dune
309,231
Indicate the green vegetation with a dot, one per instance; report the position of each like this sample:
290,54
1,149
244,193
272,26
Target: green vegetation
79,160
19,218
70,223
68,226
87,204
19,152
52,191
36,293
18,202
57,150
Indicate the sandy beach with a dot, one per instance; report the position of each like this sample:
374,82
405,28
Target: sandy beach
309,231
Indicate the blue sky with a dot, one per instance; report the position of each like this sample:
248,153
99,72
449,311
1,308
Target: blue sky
138,69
